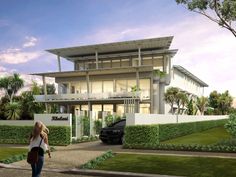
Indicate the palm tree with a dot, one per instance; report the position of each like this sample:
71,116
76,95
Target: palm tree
181,100
201,104
171,97
11,85
13,111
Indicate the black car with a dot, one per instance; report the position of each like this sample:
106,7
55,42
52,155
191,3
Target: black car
113,133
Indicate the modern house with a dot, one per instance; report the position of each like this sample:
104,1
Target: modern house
121,77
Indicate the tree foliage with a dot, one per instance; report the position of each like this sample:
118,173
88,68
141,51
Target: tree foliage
201,104
222,12
11,85
220,102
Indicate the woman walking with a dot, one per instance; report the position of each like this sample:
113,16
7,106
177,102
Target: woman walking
39,143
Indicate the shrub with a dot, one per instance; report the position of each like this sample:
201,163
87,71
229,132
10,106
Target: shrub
230,126
97,126
86,125
94,162
59,135
170,131
141,135
150,136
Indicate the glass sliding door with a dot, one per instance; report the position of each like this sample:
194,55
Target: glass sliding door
96,87
107,86
121,85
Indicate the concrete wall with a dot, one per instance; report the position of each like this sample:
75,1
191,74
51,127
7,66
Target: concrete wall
184,82
54,119
17,122
147,119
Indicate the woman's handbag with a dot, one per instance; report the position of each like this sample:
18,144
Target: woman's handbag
32,156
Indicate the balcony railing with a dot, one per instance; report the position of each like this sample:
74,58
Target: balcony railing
91,96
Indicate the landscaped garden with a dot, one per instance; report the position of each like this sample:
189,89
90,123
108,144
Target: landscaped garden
170,165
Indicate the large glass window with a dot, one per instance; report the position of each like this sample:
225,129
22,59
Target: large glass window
121,85
120,109
107,86
144,108
145,87
96,87
83,87
115,63
131,83
108,108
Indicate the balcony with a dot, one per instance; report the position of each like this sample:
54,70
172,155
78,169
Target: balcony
92,96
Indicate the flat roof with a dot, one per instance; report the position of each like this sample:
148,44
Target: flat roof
72,53
189,74
102,71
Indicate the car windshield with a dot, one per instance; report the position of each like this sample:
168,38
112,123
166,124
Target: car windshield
119,124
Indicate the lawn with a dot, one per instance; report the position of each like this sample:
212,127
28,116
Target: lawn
6,153
171,165
207,137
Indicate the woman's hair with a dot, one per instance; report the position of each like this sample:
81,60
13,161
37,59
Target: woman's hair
39,129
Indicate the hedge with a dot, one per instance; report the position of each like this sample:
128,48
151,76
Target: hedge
142,135
59,135
150,136
170,131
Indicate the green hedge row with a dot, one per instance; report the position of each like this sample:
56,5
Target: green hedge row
187,147
59,135
142,135
170,131
148,136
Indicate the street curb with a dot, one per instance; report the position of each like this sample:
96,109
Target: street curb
88,172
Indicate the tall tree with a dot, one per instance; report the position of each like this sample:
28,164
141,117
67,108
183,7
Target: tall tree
225,102
181,100
11,85
171,97
201,104
222,12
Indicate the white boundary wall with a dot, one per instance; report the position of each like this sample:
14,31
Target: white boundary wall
147,119
47,119
54,119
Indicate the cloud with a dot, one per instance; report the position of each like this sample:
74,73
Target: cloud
15,56
204,48
20,54
30,41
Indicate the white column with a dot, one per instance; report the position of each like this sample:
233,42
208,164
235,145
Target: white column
139,56
59,63
96,56
45,92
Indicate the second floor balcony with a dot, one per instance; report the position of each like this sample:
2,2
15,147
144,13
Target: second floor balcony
141,95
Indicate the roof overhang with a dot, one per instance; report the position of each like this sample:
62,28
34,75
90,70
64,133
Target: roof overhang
72,53
96,72
189,74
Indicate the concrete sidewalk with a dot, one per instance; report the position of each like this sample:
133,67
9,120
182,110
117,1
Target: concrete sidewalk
12,170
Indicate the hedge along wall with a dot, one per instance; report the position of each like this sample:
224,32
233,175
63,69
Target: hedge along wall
141,136
58,135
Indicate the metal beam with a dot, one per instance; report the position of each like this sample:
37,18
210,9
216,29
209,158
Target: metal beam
59,63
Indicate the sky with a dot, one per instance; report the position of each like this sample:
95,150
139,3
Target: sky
29,27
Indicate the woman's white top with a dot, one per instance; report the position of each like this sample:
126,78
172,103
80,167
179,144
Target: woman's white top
36,142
